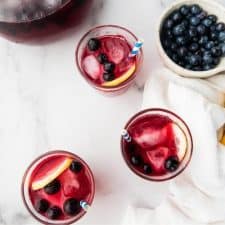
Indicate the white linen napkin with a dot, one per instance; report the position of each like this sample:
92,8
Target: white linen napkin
197,196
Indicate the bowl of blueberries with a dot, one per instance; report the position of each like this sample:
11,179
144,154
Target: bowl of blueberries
191,38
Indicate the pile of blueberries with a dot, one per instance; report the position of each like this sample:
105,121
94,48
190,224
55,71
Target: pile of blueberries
193,39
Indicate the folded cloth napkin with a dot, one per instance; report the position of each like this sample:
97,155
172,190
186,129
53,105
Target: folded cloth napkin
197,196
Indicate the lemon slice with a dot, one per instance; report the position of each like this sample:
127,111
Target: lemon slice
223,140
120,79
181,141
49,172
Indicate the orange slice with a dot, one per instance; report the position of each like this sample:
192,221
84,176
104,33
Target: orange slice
50,171
120,79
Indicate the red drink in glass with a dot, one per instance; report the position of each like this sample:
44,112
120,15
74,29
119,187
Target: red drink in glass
160,145
103,58
57,188
34,20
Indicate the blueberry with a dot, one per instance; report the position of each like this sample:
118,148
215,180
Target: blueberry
216,51
216,61
209,45
220,27
213,27
169,53
175,58
193,47
169,34
136,160
94,44
173,47
147,169
172,164
188,67
42,205
108,76
207,22
201,29
178,30
184,23
203,40
194,60
184,10
213,18
181,63
76,166
194,21
168,24
54,213
197,68
223,48
109,67
214,35
195,39
52,187
166,43
195,9
222,36
207,59
71,206
102,58
176,16
207,67
182,51
202,15
192,32
181,40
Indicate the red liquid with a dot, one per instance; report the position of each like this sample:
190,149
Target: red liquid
117,50
67,16
73,185
154,141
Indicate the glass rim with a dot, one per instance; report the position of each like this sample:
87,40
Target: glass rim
99,87
148,177
41,157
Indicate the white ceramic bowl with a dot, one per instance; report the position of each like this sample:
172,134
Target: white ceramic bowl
211,7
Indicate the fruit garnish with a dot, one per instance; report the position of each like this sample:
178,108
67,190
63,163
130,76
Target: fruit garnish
108,76
109,67
71,206
50,171
54,213
76,166
120,79
94,44
52,188
172,163
42,205
180,140
147,169
136,160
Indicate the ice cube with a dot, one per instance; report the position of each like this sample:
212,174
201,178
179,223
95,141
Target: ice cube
149,137
117,49
92,67
70,188
157,158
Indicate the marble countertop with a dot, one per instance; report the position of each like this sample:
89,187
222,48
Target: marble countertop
46,105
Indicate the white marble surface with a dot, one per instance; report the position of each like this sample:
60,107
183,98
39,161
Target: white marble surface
46,105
